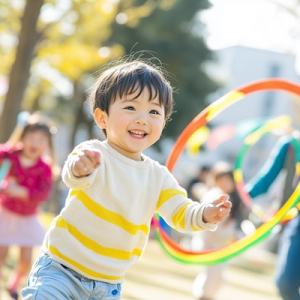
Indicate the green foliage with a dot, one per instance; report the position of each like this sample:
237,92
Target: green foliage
10,15
76,37
174,35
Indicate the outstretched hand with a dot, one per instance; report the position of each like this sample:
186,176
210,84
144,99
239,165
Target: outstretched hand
86,162
218,210
13,189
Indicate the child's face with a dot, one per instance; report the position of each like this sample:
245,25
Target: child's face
226,184
133,124
35,143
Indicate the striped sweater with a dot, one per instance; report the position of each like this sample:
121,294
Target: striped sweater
104,226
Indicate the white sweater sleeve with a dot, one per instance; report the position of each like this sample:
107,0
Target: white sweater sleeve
68,177
177,210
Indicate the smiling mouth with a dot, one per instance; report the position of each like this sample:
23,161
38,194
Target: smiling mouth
137,134
33,150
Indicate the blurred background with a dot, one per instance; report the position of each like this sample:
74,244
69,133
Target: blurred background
52,50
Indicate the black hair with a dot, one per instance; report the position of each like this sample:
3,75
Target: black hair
128,78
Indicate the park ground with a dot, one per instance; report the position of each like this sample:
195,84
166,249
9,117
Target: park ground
157,277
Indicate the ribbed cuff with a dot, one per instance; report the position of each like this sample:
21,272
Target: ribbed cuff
74,182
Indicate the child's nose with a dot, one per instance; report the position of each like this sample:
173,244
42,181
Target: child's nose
141,120
36,143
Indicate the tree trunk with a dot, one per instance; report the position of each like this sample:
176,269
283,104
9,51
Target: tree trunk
20,70
78,111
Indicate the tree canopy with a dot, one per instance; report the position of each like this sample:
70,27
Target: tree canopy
67,41
173,33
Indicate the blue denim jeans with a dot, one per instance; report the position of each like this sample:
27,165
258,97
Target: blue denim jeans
288,266
49,280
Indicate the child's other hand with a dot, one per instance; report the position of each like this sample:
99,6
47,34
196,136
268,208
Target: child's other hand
13,189
86,162
218,210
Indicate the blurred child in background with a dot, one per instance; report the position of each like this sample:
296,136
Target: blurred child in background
221,181
26,183
282,159
198,185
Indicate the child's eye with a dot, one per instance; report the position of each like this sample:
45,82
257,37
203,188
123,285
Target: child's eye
130,108
154,112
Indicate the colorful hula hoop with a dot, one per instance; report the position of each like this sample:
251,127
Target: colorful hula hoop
265,128
221,255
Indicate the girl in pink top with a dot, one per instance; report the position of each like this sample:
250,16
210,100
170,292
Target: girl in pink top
27,183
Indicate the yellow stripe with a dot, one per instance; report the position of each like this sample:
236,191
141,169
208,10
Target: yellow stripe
298,169
292,213
165,195
238,175
273,124
196,229
80,267
108,215
95,247
255,136
179,217
219,105
198,138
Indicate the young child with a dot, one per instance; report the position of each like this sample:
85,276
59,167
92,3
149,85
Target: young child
27,183
207,285
114,191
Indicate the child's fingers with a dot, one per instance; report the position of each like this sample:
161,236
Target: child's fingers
93,156
85,162
86,165
223,211
96,155
221,200
214,214
79,168
227,204
220,214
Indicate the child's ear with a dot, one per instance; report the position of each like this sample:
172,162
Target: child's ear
100,118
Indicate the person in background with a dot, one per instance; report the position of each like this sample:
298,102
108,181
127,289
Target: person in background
207,285
26,184
287,271
114,190
198,185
